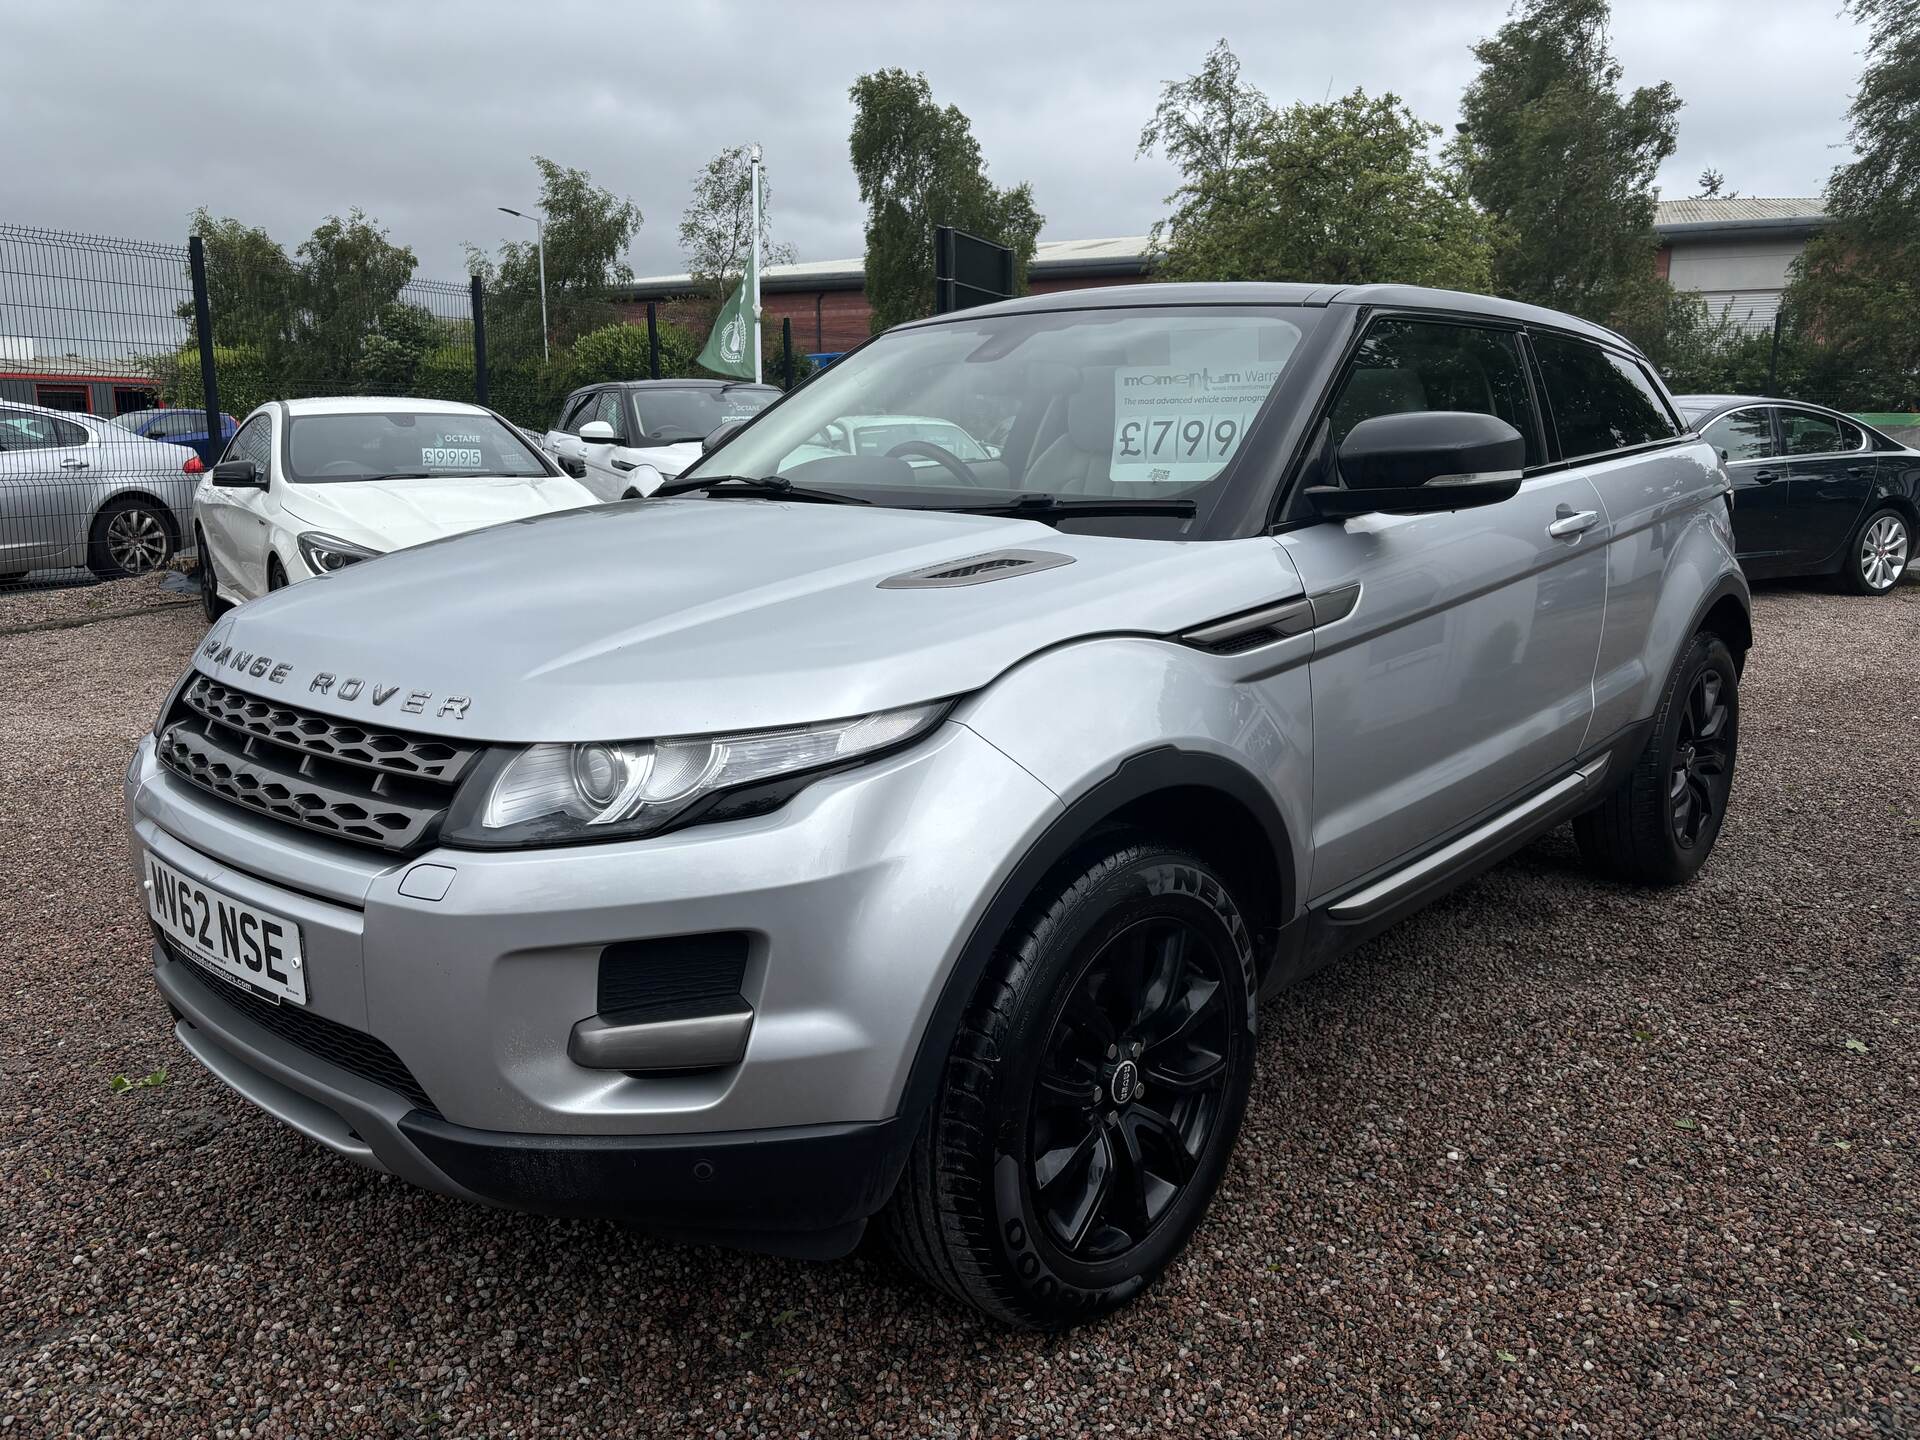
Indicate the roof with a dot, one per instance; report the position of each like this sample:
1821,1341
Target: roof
376,404
76,367
1116,255
1674,218
1250,292
687,382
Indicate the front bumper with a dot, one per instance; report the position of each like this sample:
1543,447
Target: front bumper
857,897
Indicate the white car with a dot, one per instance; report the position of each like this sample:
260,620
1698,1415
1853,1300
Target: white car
309,486
623,438
920,440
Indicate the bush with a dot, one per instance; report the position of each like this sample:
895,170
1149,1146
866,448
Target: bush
244,376
620,352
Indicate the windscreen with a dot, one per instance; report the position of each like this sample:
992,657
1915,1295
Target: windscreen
398,445
670,417
1114,403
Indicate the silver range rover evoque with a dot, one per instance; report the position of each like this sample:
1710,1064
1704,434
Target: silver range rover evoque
872,828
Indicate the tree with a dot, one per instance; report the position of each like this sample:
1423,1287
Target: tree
1713,186
250,283
1853,293
1204,125
1345,192
349,275
588,230
919,167
1563,163
716,229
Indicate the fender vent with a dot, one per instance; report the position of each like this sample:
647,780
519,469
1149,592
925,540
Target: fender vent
976,569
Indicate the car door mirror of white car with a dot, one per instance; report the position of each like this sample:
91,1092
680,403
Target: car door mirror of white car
1421,462
597,432
719,436
239,475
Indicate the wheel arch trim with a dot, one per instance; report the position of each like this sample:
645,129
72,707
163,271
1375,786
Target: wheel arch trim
1139,778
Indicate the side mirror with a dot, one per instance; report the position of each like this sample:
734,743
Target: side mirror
1422,462
720,436
597,432
239,475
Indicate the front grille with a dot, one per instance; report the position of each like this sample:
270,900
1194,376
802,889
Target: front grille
369,786
354,1051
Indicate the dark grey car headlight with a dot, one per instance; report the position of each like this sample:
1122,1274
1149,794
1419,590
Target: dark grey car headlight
561,794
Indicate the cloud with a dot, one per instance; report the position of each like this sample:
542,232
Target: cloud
425,114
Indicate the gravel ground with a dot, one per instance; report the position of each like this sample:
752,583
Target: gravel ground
1554,1158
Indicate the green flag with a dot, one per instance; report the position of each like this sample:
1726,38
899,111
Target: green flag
730,347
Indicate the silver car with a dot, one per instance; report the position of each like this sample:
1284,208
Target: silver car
852,837
77,490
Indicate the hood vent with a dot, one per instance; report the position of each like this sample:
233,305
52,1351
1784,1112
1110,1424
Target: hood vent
976,569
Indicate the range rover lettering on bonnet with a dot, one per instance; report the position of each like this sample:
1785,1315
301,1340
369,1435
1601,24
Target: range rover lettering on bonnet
349,688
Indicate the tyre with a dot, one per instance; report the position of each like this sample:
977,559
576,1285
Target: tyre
210,602
130,536
1878,553
8,577
276,574
1657,827
1092,1096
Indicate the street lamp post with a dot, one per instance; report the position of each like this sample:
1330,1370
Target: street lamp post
540,249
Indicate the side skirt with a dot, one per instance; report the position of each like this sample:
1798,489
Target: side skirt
1333,926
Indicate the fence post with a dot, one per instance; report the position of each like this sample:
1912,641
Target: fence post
653,344
786,349
479,300
1773,355
203,331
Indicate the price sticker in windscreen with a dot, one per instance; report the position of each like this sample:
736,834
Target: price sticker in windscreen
1176,425
454,452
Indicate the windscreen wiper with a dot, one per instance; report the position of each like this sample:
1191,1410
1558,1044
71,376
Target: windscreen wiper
1048,508
755,487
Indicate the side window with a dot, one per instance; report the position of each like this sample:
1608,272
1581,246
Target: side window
579,410
1405,365
607,407
1742,435
24,430
254,442
1807,432
1600,401
65,432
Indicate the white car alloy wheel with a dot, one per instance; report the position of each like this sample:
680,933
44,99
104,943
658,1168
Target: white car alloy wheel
1883,551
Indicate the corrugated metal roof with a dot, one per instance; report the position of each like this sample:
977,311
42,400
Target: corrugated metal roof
95,367
1120,251
1742,210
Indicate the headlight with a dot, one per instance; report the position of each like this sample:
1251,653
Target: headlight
324,554
561,794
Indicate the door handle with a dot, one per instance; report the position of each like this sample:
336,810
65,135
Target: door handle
1570,522
1856,469
1764,477
624,465
71,464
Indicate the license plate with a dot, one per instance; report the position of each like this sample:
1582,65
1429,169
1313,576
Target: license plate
238,942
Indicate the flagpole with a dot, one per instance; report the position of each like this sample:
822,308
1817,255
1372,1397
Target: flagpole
756,265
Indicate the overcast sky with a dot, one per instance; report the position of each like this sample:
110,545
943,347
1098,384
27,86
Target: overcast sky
120,119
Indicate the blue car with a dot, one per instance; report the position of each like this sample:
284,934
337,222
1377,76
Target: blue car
180,427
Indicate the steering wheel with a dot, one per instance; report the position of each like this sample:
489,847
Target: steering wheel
948,460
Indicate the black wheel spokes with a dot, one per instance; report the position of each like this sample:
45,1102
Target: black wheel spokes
1129,1088
1700,758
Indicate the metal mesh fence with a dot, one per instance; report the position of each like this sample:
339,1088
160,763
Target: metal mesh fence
103,425
88,325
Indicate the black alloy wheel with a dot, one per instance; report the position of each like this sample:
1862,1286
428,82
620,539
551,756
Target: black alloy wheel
1697,786
1130,1088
